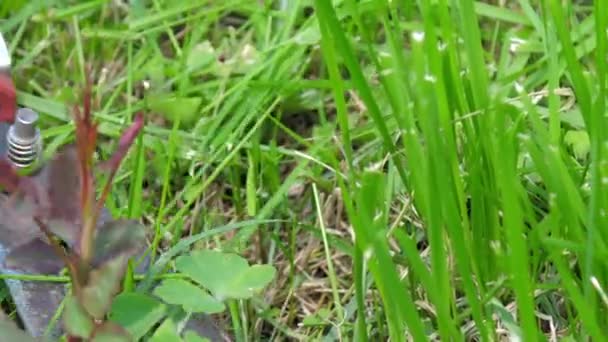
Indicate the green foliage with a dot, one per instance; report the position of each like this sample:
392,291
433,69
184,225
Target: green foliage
166,332
578,141
456,150
185,110
77,321
225,275
191,297
60,200
137,312
104,283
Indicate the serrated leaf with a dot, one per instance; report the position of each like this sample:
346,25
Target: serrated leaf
119,237
76,320
103,284
191,297
191,336
226,275
35,257
137,312
111,332
167,332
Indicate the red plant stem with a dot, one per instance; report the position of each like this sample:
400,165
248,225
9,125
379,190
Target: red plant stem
86,135
89,218
88,229
113,163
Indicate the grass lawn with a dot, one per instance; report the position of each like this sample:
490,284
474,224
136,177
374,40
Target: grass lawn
414,170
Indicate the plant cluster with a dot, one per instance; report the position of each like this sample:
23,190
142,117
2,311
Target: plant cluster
53,216
55,220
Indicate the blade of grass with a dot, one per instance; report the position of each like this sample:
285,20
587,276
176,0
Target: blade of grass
330,266
337,85
327,14
369,222
594,124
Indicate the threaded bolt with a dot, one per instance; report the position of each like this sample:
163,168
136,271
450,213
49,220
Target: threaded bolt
23,138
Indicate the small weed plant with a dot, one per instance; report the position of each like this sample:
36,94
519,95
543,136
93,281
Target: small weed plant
55,217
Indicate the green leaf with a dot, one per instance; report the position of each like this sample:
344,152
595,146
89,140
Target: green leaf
506,318
308,36
103,284
119,237
154,72
191,336
77,322
578,142
137,312
321,317
226,275
111,332
171,107
191,297
167,332
128,283
202,55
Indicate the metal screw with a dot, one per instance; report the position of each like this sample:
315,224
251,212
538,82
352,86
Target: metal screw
24,141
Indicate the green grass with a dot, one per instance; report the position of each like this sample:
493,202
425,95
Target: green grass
408,167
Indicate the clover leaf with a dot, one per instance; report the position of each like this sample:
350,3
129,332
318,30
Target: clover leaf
225,275
137,312
191,297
